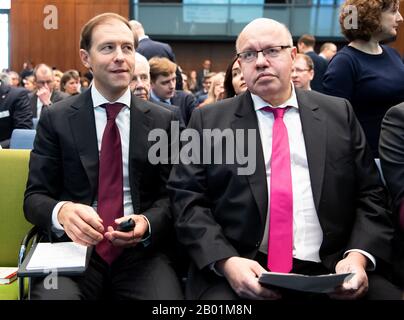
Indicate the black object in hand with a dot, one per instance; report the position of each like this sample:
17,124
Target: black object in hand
127,225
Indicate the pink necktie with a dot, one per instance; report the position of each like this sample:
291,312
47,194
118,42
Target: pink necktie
110,181
280,238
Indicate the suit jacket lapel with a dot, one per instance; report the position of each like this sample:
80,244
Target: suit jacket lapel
246,118
82,124
314,125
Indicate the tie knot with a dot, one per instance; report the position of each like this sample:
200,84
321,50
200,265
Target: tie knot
278,112
112,110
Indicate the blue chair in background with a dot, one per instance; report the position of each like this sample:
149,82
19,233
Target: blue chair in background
22,139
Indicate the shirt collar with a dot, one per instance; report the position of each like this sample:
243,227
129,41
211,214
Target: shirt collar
155,98
98,98
260,103
143,37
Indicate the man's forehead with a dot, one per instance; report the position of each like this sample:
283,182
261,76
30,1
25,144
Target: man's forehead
112,31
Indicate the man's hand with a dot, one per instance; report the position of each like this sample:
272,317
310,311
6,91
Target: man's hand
242,275
130,238
358,285
44,94
81,223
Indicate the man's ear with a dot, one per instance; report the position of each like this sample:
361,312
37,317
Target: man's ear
85,58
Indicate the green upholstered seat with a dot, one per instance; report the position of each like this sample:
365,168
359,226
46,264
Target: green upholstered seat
13,226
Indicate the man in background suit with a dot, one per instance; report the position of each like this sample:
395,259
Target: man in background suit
312,165
89,171
151,48
15,112
306,44
44,95
163,79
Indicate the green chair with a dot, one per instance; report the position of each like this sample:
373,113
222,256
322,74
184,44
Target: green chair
13,226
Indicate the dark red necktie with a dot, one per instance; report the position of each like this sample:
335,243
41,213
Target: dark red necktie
110,181
280,238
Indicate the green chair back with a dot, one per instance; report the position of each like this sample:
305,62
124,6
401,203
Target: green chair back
13,226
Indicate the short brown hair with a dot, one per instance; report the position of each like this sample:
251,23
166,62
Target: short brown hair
87,30
308,40
369,12
308,60
161,67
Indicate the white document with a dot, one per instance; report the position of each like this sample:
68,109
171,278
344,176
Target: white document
58,255
320,284
4,114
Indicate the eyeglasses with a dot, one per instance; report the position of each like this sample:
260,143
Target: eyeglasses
271,52
297,70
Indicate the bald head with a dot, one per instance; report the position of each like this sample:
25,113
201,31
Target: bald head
264,24
137,28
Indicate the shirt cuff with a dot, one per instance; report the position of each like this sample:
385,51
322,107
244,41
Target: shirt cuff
56,226
212,267
367,255
147,240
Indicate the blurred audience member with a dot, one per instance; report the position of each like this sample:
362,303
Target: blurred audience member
302,71
216,90
206,69
192,82
70,82
140,84
84,83
14,78
29,83
306,44
27,69
57,75
234,83
202,94
44,95
328,51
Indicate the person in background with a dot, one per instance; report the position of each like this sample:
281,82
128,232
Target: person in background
57,76
29,83
328,50
14,78
202,73
302,71
44,95
202,94
70,82
306,44
216,90
15,110
192,82
234,83
365,72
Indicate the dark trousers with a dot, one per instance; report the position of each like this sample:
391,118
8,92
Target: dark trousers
379,287
136,274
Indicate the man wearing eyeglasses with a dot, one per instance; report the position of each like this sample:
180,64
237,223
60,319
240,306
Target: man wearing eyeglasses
44,95
302,71
314,204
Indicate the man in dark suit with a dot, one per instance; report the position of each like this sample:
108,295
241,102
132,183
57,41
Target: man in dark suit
151,48
90,171
162,76
44,95
306,45
15,112
310,200
391,153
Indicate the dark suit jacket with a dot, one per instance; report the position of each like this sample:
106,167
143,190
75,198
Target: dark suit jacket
55,97
391,151
320,67
150,48
220,213
64,163
186,102
15,112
